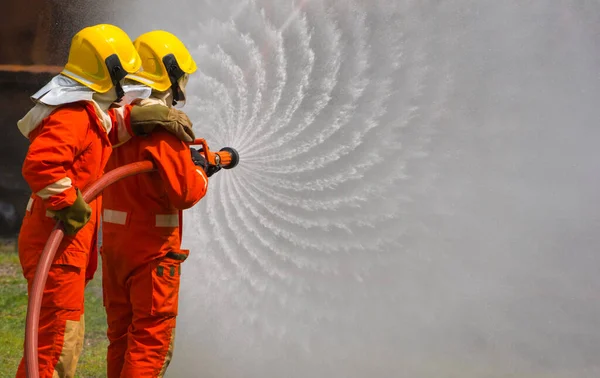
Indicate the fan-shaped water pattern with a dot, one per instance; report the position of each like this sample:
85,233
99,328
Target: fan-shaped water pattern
390,209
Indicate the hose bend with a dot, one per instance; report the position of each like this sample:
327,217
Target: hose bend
41,274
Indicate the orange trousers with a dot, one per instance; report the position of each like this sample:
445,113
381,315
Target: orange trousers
61,327
141,306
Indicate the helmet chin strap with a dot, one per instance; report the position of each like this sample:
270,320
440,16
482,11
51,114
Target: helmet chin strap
175,73
117,74
119,91
175,93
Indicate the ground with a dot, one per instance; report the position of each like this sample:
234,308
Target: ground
13,308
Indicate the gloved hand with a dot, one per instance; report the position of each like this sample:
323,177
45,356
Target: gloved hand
212,169
198,159
213,163
74,217
145,118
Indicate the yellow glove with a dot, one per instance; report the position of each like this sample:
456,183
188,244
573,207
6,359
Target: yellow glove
74,217
145,118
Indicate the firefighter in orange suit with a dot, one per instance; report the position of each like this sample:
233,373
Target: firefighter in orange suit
141,248
71,132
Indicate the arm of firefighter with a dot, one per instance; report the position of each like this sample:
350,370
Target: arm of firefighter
121,131
185,183
51,153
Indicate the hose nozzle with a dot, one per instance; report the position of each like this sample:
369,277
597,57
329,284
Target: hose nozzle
226,158
229,157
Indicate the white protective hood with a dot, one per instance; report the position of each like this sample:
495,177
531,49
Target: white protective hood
62,90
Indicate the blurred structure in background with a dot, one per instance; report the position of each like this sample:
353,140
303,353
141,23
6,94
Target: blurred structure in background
34,42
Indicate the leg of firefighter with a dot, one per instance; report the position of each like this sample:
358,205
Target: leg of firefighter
61,327
154,295
118,317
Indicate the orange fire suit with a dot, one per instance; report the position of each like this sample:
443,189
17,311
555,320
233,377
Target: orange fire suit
68,150
141,253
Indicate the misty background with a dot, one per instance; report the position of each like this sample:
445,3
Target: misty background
417,194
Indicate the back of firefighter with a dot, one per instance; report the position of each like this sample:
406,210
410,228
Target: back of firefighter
70,142
71,132
141,253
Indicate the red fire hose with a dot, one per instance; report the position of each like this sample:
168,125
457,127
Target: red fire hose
43,267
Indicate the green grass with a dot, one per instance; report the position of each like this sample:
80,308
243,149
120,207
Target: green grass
13,309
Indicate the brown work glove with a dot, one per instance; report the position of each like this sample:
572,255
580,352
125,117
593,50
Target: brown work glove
74,217
145,118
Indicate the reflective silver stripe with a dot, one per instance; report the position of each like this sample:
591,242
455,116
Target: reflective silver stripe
167,220
49,213
114,216
120,217
203,175
55,188
122,133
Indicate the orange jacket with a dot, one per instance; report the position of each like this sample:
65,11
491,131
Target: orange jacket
68,150
142,214
64,153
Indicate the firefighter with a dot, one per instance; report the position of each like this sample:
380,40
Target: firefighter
141,249
71,131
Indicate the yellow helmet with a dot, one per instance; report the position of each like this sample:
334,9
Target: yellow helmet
165,61
100,57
